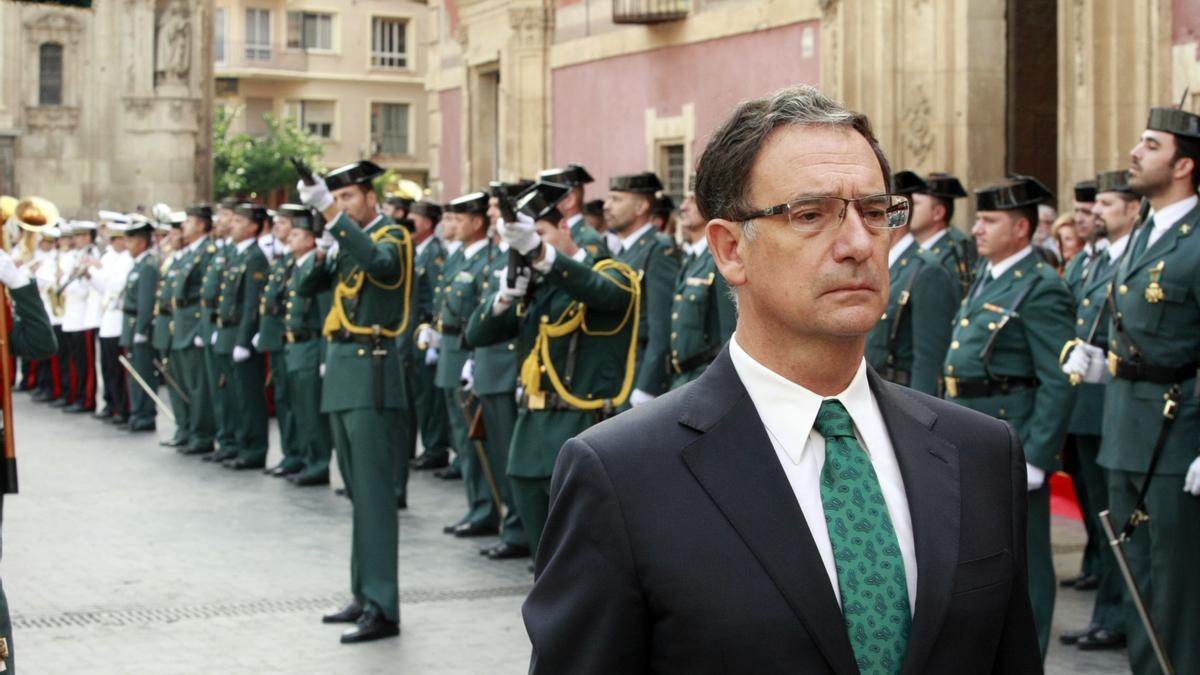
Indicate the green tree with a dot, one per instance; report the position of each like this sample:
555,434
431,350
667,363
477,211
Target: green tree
253,167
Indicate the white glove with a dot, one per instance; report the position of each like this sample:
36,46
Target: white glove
1034,477
521,236
468,375
431,356
254,342
509,294
639,397
213,339
1087,361
316,196
1191,482
139,339
429,337
10,275
240,354
198,341
321,370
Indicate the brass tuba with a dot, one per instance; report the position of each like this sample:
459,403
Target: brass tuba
23,220
35,214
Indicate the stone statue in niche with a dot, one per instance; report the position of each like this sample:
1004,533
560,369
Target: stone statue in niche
172,53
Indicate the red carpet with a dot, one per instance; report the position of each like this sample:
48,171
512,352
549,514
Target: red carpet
1062,497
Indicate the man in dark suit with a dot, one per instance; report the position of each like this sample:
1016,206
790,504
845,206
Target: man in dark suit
789,511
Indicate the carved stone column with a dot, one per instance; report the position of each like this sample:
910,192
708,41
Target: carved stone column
525,92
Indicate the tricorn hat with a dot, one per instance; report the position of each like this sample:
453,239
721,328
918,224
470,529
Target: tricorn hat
572,175
541,201
303,217
944,186
1017,192
428,209
1113,181
1085,191
908,183
1174,121
644,183
356,173
475,203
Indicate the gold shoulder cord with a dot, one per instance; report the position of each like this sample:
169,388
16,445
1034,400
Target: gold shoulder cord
338,320
575,318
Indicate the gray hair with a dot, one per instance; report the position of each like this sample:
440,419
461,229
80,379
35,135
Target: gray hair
723,172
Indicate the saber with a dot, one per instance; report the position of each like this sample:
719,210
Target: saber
166,375
464,401
1116,543
145,387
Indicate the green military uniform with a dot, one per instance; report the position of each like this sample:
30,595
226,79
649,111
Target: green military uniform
702,317
1003,361
271,341
1157,300
588,239
585,237
428,404
495,375
955,250
909,343
217,365
30,336
362,390
590,359
305,354
190,326
459,299
1086,423
161,339
138,307
237,321
652,256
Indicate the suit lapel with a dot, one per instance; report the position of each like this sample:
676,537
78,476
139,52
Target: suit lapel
929,467
736,465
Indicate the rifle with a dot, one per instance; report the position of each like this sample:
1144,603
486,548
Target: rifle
306,174
518,265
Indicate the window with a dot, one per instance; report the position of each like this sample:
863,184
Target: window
258,34
389,128
673,171
220,34
315,116
388,43
309,30
256,111
50,74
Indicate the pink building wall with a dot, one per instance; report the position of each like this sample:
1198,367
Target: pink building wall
600,106
450,153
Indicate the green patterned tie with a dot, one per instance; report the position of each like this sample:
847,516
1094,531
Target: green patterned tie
870,569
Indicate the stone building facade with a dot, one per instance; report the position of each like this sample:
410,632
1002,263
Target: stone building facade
108,107
978,88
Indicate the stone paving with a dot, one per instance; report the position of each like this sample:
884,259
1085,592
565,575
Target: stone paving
121,556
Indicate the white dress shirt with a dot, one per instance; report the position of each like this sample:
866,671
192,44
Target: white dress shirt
997,269
627,242
788,411
899,248
932,241
1164,220
1117,248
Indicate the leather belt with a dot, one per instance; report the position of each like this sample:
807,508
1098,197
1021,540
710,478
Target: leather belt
703,358
299,336
546,400
957,387
448,330
1147,372
347,336
896,376
213,317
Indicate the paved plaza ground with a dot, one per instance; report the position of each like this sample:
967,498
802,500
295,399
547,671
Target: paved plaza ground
121,556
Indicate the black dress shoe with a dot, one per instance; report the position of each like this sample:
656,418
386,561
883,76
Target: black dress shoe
173,443
426,462
135,428
103,414
341,492
242,464
474,530
448,473
531,568
78,408
41,397
120,422
351,613
1075,636
1101,638
220,456
488,549
1088,583
449,529
372,626
508,552
61,402
307,479
189,450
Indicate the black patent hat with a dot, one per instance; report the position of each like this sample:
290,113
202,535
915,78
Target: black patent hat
643,183
355,173
541,201
572,175
1018,192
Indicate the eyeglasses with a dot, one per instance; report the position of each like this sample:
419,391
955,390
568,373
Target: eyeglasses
813,214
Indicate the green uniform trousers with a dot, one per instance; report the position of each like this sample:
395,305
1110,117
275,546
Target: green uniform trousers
179,407
141,407
293,459
312,426
368,448
1042,581
408,437
1108,612
481,509
249,411
429,407
217,369
500,416
1164,557
532,497
194,380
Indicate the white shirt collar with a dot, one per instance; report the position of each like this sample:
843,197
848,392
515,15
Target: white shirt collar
574,219
932,241
306,256
198,243
699,246
471,249
997,269
1116,248
899,248
452,246
373,223
626,242
143,255
422,246
245,244
1169,215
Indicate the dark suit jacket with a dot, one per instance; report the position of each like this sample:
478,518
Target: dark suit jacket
675,544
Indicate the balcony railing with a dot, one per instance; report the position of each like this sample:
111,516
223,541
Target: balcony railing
649,11
245,55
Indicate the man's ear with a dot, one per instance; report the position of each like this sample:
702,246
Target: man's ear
725,241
